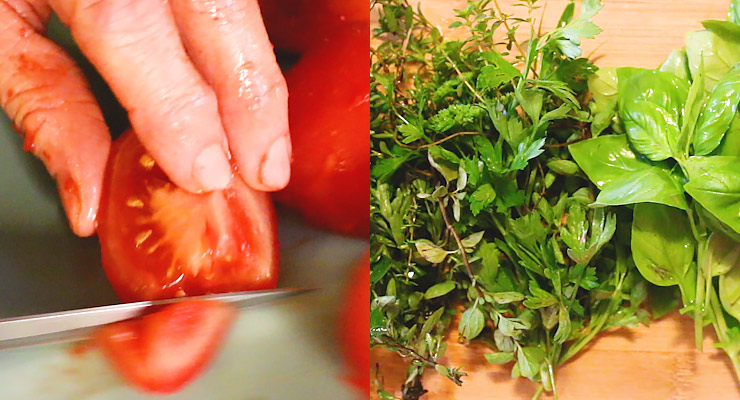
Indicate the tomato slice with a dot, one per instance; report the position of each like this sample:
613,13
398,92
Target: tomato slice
329,113
159,241
163,351
355,326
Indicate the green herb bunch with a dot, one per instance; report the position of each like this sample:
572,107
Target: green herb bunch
671,152
478,212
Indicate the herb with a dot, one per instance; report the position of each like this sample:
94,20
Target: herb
479,213
671,151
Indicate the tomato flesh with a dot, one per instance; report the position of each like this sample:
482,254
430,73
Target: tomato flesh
159,241
163,351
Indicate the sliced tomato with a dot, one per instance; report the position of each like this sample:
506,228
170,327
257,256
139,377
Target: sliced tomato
159,241
163,351
355,326
329,115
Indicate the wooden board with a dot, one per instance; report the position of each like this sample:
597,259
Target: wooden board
654,363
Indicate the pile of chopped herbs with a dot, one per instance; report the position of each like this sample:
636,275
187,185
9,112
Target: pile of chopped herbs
506,176
479,213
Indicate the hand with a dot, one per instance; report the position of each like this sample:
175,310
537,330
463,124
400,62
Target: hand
198,78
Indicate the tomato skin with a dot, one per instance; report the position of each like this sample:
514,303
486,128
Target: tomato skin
354,324
163,351
159,241
329,114
297,25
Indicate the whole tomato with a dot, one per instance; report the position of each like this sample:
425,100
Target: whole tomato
329,114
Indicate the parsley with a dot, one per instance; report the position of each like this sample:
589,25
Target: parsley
479,214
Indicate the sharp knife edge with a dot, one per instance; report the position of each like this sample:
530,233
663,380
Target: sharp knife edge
74,325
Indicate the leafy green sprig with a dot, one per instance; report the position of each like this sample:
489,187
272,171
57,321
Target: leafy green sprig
478,212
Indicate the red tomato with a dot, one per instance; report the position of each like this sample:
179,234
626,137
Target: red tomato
329,114
163,351
296,25
159,241
354,326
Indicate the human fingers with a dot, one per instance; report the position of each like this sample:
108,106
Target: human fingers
136,48
227,41
46,96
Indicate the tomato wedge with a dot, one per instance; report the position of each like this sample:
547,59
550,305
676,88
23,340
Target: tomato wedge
355,326
159,241
163,351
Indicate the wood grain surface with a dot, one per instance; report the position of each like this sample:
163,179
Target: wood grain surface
649,363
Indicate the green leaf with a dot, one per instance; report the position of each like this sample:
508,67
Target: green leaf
651,129
718,113
499,358
563,332
507,297
714,183
379,269
662,250
473,239
730,145
727,30
651,107
500,71
439,289
677,64
717,54
430,252
692,110
607,158
729,292
721,254
472,322
539,298
663,299
562,167
526,151
489,255
481,198
529,359
603,87
651,185
439,158
431,322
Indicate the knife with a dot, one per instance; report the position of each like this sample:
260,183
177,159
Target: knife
75,325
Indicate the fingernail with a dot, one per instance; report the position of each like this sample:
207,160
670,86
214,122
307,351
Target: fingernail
212,169
275,169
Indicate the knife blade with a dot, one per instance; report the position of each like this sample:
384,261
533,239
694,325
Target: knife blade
75,325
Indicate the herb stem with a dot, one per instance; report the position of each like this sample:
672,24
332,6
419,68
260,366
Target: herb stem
538,393
460,244
504,19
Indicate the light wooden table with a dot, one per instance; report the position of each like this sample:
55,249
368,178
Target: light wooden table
655,363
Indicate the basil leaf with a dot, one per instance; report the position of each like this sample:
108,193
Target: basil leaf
733,14
717,54
714,183
677,64
726,30
720,109
652,129
662,250
721,255
730,145
650,185
607,158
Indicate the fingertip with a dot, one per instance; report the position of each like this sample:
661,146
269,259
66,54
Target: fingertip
211,169
274,171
